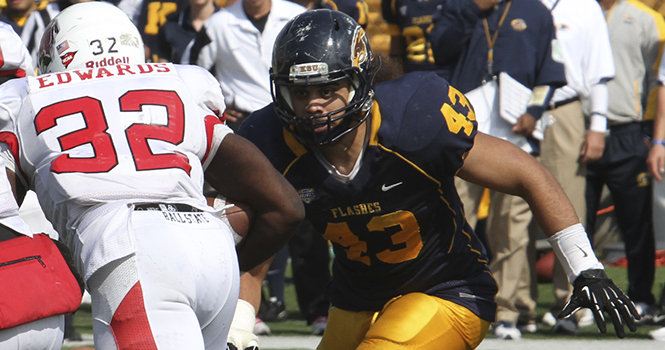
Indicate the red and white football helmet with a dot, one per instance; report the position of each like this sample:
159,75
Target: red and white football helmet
89,35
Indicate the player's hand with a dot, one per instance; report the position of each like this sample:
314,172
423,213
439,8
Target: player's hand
233,114
594,290
593,147
242,340
656,161
525,125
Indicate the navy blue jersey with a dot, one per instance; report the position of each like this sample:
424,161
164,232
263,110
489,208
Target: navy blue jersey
411,19
357,9
523,46
398,226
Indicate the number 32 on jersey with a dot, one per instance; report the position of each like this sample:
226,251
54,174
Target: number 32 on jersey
96,133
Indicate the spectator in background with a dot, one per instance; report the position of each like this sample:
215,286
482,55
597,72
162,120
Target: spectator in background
656,164
568,145
637,34
235,44
151,17
180,29
29,18
408,22
357,9
481,39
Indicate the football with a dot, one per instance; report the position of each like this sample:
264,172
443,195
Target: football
545,268
238,215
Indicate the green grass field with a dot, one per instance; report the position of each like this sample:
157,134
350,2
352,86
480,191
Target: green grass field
295,324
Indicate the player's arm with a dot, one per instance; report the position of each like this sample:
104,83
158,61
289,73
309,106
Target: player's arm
501,166
240,172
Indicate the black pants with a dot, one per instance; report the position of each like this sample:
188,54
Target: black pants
310,263
623,169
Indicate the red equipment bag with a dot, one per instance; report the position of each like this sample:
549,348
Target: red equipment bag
35,281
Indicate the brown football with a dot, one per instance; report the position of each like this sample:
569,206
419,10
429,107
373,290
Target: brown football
240,215
545,268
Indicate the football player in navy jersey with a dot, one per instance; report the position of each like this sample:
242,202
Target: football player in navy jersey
375,167
408,22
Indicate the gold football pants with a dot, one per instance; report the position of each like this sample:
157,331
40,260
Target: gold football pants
413,321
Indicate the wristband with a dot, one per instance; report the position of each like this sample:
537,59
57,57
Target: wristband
244,317
657,142
574,251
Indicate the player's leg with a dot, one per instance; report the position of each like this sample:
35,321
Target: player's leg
420,321
46,333
345,329
413,321
182,279
508,238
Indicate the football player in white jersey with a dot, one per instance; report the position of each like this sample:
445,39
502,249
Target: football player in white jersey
15,61
117,151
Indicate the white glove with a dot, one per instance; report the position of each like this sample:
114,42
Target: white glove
241,335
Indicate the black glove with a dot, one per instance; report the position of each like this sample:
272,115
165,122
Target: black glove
594,290
230,346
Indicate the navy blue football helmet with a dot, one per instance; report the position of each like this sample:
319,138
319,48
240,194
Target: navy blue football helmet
320,47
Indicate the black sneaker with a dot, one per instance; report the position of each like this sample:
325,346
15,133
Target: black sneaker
276,311
651,314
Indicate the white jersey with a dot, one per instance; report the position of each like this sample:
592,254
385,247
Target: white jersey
14,56
581,31
241,54
117,134
8,206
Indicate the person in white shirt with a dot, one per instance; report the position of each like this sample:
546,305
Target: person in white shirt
117,151
583,46
235,44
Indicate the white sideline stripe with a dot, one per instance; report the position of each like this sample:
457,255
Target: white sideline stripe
554,343
310,342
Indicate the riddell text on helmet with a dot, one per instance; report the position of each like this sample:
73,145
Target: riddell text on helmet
104,62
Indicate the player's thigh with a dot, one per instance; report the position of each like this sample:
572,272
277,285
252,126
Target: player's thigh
413,321
179,281
205,280
419,321
46,333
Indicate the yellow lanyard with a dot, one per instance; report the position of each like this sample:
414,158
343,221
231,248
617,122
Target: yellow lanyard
492,40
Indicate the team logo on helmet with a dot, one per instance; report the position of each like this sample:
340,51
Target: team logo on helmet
46,45
127,39
359,49
68,58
